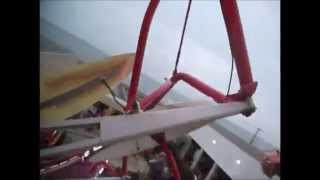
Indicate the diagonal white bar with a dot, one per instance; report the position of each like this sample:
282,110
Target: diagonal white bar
173,122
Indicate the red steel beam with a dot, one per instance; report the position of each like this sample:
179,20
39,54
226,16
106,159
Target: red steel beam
237,42
144,31
151,100
161,139
200,86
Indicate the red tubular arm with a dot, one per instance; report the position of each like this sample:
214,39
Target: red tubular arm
172,162
200,86
160,139
154,98
144,31
237,44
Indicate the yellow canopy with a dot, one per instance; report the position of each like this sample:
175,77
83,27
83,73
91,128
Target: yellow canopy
64,84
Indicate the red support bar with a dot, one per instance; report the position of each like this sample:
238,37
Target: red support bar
237,42
245,92
151,100
200,86
172,162
161,139
140,53
154,98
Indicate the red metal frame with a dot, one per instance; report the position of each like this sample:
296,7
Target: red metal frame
239,52
238,49
140,53
161,139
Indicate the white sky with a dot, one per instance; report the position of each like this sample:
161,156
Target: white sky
113,27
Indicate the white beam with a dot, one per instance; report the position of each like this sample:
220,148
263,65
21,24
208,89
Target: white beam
173,122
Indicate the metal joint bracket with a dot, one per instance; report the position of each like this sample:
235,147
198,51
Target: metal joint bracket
252,108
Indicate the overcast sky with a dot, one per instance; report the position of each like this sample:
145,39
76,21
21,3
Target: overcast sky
113,27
